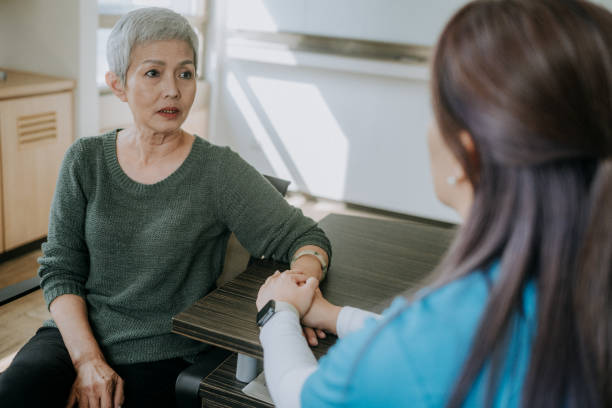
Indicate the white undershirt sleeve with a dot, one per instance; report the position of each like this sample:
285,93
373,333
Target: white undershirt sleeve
288,360
351,319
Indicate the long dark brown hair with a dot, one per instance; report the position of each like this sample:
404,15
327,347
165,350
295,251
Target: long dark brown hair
531,82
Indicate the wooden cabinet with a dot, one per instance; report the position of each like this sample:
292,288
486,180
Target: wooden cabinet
36,128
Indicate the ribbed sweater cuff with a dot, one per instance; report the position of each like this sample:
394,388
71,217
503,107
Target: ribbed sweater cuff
67,288
322,243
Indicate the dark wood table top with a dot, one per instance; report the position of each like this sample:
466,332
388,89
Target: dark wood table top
373,260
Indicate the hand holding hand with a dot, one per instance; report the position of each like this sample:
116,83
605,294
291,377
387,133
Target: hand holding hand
311,333
294,288
96,385
322,314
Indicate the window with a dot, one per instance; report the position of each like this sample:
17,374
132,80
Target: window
109,12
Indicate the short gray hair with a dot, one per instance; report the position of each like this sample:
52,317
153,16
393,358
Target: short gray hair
143,25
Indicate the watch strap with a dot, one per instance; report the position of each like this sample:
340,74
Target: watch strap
273,307
314,253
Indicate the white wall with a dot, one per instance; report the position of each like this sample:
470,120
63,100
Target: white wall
605,3
343,128
40,35
397,21
87,100
55,38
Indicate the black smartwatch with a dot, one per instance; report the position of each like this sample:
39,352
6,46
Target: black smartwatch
271,308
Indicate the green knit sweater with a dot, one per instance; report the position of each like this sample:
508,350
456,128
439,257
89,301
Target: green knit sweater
139,254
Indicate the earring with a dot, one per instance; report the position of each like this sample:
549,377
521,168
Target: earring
451,180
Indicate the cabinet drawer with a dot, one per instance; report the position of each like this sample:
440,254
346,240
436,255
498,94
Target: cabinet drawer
35,133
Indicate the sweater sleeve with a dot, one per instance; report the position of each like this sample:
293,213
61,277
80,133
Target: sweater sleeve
64,265
264,223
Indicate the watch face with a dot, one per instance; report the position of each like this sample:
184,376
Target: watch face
266,313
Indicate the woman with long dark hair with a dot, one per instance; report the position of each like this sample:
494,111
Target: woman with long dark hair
522,149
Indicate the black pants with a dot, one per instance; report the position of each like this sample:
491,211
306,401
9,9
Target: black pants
41,375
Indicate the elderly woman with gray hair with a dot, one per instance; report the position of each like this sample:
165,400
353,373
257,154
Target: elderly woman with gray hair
138,228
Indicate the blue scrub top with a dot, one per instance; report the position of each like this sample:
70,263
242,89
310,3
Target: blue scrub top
413,356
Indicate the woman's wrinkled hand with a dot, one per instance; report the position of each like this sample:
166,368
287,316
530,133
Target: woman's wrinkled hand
96,385
294,288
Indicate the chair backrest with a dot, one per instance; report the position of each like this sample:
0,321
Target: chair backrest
280,184
236,256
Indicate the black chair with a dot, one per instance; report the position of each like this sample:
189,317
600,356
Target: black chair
187,387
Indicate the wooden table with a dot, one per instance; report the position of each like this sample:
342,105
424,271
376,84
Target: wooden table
373,261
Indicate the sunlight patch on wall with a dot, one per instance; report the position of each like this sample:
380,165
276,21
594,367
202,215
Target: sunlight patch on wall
258,130
308,131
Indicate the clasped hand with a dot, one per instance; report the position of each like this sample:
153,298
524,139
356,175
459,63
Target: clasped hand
303,293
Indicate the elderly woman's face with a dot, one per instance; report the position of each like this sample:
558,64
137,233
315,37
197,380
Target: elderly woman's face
160,84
